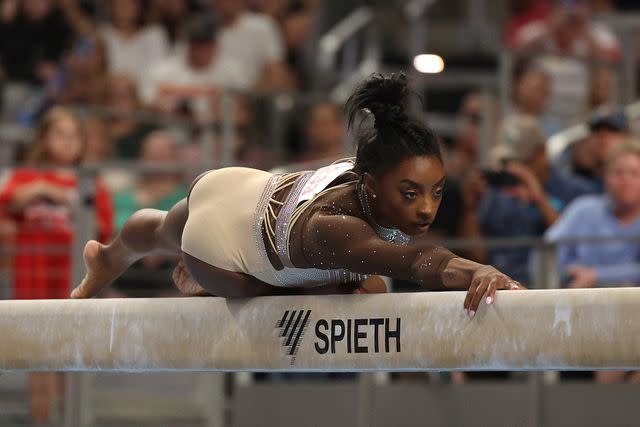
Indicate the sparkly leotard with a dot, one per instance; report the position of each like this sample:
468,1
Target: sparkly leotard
233,211
228,247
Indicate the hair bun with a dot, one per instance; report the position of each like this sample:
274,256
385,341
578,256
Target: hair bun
384,96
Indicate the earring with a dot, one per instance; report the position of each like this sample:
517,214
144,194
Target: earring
374,196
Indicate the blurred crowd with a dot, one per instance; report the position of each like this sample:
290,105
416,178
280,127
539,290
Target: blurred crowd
144,64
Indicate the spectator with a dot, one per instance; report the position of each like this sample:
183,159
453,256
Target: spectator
525,12
41,202
568,32
297,20
613,215
188,82
131,44
83,77
172,16
33,36
252,43
569,29
127,133
528,204
463,156
531,96
246,149
99,142
156,190
324,133
602,87
608,128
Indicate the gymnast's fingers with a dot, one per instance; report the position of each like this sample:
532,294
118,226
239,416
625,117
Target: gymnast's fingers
481,290
470,293
512,285
496,284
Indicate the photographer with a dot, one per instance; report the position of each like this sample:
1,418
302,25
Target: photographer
523,196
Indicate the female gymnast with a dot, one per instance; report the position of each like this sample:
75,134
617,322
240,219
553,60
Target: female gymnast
244,232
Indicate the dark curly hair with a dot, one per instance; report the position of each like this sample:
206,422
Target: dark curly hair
395,136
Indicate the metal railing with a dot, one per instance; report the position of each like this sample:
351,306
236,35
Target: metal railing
352,34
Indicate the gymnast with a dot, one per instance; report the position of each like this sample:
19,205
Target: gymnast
243,232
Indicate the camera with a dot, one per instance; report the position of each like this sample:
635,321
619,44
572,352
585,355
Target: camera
500,178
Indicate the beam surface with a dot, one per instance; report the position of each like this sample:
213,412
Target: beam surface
521,330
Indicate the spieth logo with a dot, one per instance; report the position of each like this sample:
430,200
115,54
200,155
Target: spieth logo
345,336
292,327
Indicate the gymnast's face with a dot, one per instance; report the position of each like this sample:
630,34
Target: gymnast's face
408,195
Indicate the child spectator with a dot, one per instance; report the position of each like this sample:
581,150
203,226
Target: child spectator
41,202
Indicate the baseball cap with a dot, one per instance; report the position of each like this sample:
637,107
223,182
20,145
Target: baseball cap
609,117
519,138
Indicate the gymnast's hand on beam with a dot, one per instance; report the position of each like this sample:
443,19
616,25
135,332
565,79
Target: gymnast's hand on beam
484,284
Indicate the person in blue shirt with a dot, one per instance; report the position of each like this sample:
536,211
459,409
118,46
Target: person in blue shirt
608,128
614,214
531,203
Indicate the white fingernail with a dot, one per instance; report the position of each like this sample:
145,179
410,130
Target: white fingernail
472,313
489,300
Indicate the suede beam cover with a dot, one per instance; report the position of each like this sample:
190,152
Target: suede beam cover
521,330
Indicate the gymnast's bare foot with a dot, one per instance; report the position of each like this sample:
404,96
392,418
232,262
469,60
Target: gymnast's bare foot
100,271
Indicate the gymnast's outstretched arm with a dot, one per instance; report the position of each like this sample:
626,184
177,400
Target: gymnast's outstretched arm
339,241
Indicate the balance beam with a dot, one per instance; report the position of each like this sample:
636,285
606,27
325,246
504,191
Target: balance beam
522,330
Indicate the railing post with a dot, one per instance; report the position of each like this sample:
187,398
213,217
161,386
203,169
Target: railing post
77,410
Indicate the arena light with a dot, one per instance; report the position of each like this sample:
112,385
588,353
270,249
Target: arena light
428,63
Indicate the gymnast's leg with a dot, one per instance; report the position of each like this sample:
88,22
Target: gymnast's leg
151,231
146,232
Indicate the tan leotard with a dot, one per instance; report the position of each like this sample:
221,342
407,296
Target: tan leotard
261,224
